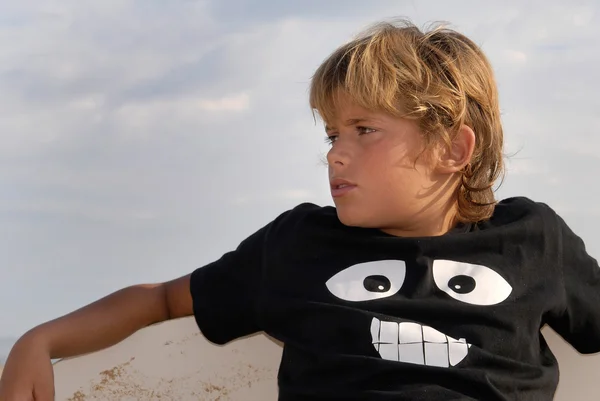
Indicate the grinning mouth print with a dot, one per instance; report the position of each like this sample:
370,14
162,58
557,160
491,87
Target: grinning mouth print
417,344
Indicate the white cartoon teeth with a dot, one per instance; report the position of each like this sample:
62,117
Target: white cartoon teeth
417,344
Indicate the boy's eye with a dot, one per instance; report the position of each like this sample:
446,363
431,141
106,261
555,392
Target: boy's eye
330,139
364,130
473,284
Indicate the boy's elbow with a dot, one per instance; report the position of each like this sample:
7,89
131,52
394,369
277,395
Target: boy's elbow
177,298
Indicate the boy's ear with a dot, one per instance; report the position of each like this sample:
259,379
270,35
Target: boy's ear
455,157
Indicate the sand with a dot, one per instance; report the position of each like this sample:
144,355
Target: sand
173,361
578,373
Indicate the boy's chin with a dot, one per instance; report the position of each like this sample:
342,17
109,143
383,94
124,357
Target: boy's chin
354,217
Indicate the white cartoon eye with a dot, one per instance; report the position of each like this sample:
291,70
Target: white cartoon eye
368,281
473,284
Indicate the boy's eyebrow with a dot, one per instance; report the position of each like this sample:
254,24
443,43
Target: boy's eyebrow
352,121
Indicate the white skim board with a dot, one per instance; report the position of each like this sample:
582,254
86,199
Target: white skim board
173,361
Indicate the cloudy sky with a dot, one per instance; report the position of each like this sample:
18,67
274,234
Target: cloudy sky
142,139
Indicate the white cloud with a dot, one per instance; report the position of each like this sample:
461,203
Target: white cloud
583,16
517,166
234,103
516,56
141,117
296,195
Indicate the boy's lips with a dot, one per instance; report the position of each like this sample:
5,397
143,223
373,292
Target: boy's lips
340,187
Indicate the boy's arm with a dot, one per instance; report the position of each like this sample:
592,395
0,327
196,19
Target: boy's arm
578,320
222,295
113,318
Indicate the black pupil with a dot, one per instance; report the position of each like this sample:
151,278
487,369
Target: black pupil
462,284
377,284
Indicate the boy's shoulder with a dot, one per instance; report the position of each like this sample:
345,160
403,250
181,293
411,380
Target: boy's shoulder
301,221
521,209
523,204
308,212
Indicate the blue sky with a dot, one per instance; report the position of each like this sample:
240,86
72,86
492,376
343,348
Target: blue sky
142,139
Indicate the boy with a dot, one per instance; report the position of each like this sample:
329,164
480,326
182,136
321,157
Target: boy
418,285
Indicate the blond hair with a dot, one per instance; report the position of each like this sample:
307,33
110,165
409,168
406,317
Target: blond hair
438,77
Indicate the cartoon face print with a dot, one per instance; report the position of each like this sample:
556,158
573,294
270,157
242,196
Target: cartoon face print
413,342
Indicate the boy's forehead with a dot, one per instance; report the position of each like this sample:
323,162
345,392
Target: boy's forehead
345,111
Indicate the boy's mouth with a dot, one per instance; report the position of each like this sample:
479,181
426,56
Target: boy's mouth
414,343
341,191
340,187
340,183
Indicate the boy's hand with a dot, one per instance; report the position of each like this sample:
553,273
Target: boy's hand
28,374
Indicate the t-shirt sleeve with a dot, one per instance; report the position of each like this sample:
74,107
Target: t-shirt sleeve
226,293
578,321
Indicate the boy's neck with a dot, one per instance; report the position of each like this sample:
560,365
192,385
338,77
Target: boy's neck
431,223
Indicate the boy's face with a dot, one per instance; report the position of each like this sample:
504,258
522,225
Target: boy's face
392,184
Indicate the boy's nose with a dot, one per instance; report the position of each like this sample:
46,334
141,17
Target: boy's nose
339,156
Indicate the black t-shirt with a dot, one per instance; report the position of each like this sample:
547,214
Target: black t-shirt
364,315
